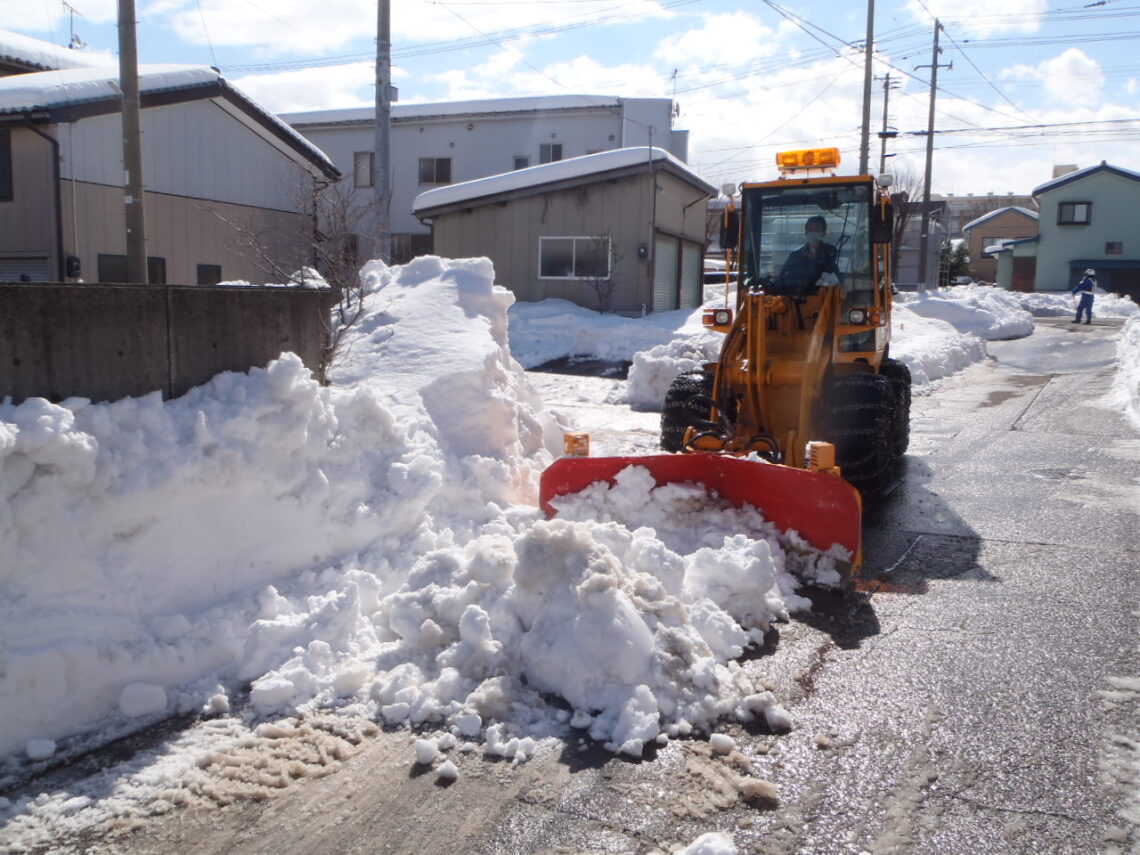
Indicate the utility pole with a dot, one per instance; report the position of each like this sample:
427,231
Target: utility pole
381,177
885,134
924,242
132,144
865,137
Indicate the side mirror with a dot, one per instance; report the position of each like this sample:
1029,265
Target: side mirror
883,223
730,230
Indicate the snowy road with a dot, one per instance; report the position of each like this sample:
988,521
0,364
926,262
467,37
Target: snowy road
970,699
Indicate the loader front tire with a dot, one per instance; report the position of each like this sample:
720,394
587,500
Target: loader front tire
686,405
899,376
861,425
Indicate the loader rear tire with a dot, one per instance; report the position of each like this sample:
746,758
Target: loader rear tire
899,376
686,405
861,425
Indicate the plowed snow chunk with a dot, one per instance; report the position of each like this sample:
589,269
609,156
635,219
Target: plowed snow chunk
426,751
448,771
722,743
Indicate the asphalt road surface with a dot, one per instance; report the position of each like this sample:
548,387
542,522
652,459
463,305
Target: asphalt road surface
975,696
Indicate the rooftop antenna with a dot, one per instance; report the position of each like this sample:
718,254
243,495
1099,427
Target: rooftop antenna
76,43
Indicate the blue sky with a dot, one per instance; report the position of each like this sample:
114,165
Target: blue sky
1039,84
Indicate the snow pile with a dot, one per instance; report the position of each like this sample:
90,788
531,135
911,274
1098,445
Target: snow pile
1126,385
987,312
553,329
1042,304
151,542
373,547
931,348
654,370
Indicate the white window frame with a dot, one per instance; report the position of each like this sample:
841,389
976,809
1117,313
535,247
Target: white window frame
359,176
546,152
584,239
521,161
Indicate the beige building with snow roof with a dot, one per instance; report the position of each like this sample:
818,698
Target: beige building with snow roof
220,173
620,230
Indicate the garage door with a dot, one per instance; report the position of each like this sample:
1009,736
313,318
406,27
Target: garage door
34,268
665,274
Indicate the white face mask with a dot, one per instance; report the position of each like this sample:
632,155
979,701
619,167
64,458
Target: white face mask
813,237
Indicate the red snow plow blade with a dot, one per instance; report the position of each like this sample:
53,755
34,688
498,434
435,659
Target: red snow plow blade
822,507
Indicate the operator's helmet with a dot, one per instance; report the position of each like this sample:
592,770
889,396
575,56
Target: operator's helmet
1090,272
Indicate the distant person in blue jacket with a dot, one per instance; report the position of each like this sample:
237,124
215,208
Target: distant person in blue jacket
1085,289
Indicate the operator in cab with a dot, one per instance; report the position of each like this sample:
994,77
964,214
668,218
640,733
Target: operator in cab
815,263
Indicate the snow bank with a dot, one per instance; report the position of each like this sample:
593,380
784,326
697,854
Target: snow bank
1126,385
987,312
1053,304
373,546
553,329
931,348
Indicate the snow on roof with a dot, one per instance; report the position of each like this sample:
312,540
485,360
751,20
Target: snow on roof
46,90
1008,244
548,173
353,115
16,47
986,217
1070,177
22,93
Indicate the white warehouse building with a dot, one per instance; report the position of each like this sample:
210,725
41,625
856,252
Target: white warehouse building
433,145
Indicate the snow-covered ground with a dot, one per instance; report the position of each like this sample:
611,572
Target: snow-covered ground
374,548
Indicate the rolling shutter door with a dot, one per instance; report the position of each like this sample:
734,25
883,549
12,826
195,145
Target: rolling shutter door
690,276
36,269
665,275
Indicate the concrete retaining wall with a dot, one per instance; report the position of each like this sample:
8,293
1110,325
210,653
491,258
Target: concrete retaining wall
106,342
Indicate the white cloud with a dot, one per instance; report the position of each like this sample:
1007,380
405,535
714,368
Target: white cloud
506,74
281,27
328,88
981,17
1073,78
300,25
735,36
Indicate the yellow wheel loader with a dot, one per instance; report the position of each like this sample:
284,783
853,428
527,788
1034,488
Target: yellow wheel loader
804,411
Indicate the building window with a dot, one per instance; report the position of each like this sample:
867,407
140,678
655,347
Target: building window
990,241
363,168
574,257
405,247
113,268
549,152
1074,213
5,166
209,274
435,170
1114,247
521,161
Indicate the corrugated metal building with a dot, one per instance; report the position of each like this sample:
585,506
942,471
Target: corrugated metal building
220,172
629,222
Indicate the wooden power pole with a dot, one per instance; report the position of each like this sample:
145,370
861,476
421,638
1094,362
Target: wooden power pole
132,144
865,136
382,181
924,238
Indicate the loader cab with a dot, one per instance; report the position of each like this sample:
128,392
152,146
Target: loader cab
777,220
782,253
